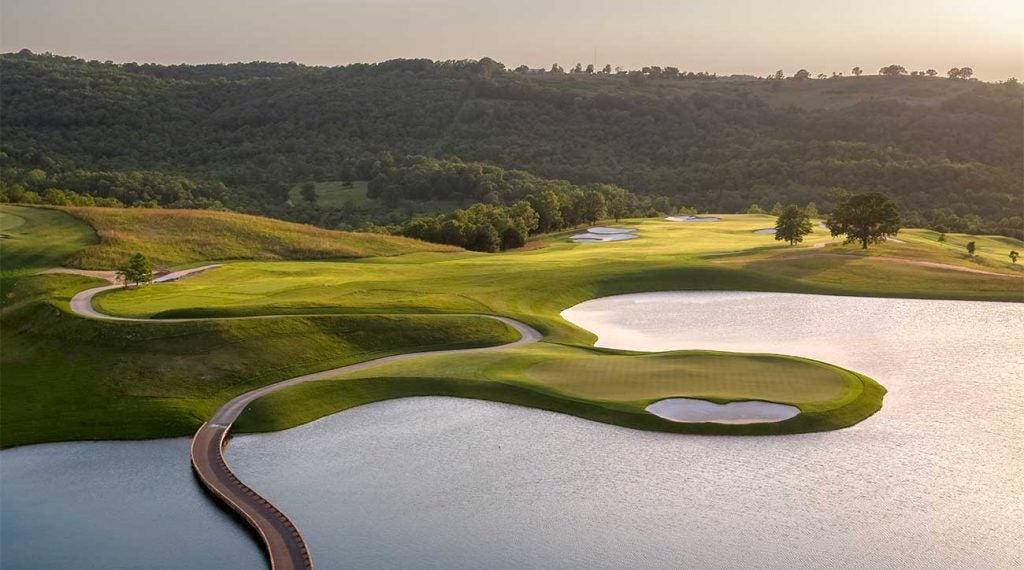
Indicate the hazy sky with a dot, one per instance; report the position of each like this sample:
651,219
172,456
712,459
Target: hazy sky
725,36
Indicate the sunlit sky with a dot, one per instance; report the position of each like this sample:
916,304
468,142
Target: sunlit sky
724,36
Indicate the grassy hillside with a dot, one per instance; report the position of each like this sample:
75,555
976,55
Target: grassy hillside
34,239
37,238
176,237
69,378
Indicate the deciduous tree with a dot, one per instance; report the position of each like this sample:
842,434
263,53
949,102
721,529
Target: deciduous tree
893,70
811,209
793,224
138,270
864,218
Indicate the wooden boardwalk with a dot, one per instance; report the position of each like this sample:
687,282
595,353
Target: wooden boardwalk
286,549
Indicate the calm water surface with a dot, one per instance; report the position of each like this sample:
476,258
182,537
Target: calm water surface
936,479
113,504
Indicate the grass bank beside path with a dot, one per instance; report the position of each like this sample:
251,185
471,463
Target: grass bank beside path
179,237
69,378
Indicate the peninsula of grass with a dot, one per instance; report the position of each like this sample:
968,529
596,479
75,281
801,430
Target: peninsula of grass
608,386
66,377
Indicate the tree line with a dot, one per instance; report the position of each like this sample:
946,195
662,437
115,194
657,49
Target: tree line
242,135
515,204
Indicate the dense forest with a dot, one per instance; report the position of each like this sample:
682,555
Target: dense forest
242,136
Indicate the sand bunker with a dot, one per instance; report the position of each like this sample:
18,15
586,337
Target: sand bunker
595,238
693,219
689,410
765,231
599,234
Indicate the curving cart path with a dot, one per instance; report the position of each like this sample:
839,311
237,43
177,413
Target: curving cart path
286,549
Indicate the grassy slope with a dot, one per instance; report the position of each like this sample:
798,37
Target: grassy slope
534,286
177,237
36,239
68,378
64,377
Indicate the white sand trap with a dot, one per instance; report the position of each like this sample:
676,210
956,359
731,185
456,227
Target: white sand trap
597,238
765,231
605,230
690,410
693,219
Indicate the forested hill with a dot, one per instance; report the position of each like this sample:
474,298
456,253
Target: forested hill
949,151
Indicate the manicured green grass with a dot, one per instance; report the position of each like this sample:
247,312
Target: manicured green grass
153,379
178,237
534,286
607,385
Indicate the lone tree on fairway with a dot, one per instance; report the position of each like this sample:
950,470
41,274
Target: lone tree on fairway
137,270
1013,256
793,224
970,248
865,218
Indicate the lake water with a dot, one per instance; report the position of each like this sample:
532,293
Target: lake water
936,479
112,504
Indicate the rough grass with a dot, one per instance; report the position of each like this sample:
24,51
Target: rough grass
178,237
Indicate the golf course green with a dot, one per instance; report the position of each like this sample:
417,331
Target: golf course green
160,379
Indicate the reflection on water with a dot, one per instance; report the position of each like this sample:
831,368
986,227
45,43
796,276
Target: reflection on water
113,504
935,479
